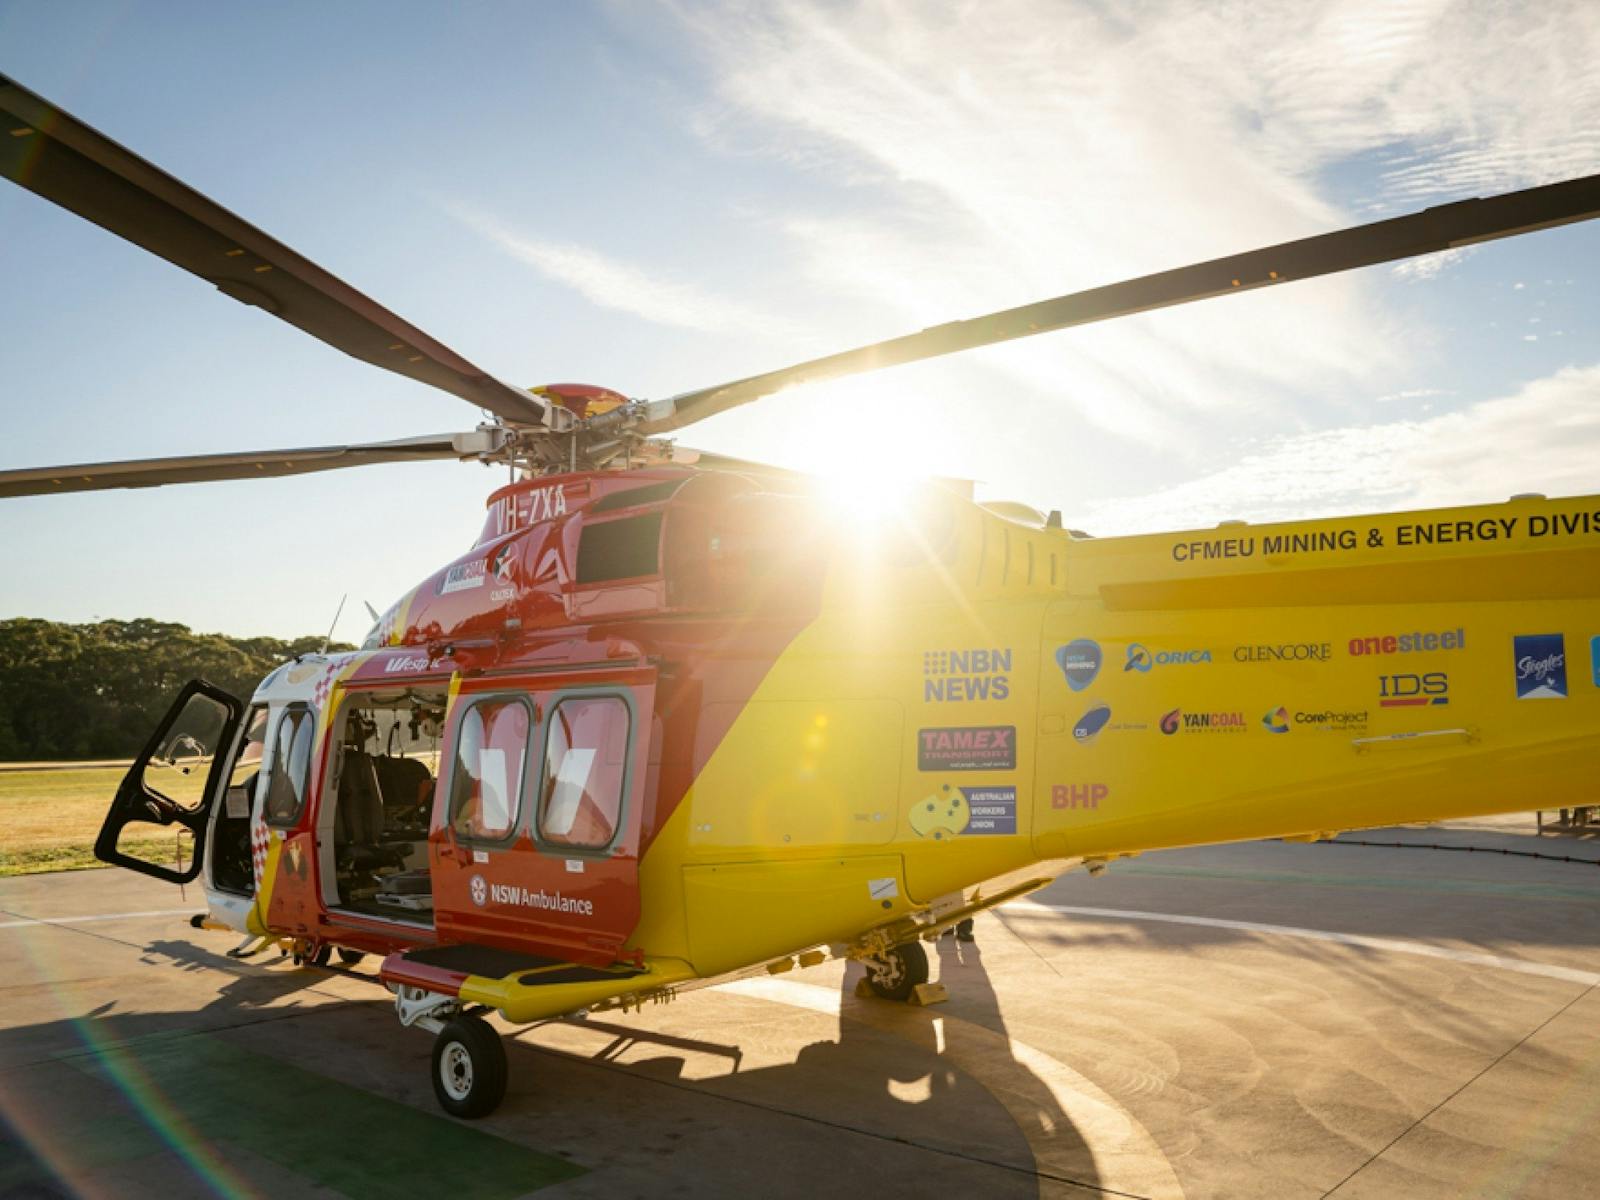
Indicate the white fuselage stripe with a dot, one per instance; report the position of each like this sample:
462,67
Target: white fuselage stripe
1392,945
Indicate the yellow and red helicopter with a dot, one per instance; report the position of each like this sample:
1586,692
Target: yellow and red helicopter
666,723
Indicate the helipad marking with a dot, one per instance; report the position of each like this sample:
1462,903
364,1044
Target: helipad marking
149,912
1126,1158
1473,957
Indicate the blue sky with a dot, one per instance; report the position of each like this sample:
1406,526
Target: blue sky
656,198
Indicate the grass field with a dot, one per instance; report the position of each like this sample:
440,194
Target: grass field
49,818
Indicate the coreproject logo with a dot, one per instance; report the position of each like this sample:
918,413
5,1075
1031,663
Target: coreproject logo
1277,721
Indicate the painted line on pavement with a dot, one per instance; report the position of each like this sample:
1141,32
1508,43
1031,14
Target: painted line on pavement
1392,945
149,912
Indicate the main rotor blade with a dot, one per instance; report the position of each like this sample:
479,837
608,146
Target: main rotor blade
1450,225
205,468
51,153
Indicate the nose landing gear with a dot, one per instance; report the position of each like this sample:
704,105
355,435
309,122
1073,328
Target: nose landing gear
469,1067
895,974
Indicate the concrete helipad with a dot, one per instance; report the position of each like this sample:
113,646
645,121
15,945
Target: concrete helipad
1266,1020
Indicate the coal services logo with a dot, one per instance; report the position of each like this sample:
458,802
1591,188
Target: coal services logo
1541,666
1141,659
1178,721
1277,721
1079,662
1413,691
1284,652
1091,723
966,675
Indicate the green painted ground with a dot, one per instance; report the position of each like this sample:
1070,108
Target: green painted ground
200,1097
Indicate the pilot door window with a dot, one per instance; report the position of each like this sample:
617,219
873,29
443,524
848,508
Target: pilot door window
585,762
291,766
491,759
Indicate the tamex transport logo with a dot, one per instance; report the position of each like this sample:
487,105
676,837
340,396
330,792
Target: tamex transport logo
1413,691
1409,643
979,748
1141,660
966,674
1079,662
1541,666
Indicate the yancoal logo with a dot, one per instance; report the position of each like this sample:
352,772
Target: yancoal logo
1141,659
1277,721
1169,721
1091,723
1541,666
479,890
1202,722
1079,662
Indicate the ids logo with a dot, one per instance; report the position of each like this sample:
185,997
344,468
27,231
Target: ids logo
1141,659
1079,662
1541,666
1413,691
1091,723
1277,721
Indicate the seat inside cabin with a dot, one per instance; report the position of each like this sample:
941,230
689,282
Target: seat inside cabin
387,767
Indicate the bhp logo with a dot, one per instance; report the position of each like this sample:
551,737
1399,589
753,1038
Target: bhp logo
1078,795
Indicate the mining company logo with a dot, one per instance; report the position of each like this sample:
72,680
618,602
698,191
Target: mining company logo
1275,652
1409,643
1413,691
463,576
1091,723
1078,795
479,890
1202,722
1141,659
1277,721
981,674
1541,666
1079,662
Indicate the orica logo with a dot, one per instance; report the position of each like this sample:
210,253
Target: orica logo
1141,659
479,890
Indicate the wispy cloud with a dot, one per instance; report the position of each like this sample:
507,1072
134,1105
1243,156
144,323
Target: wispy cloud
622,286
1545,438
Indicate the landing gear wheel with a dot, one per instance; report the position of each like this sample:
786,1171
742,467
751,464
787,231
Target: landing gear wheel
350,957
895,974
469,1068
322,957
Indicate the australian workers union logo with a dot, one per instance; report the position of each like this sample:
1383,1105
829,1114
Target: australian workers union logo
1141,659
981,674
1541,666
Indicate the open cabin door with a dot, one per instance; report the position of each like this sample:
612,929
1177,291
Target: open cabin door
534,845
157,823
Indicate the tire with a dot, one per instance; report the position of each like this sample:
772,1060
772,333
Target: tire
469,1068
350,957
896,974
322,957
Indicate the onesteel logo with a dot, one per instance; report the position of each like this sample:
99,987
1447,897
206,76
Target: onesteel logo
1409,643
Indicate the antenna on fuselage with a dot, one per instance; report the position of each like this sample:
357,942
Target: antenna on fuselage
331,628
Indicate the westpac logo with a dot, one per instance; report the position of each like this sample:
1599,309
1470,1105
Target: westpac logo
1141,659
981,674
1078,795
1541,666
1079,662
1413,691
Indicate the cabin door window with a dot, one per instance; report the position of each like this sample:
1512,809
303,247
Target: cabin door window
585,769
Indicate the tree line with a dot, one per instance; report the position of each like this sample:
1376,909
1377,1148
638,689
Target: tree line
98,691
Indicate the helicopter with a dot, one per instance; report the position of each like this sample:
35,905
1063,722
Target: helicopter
670,721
